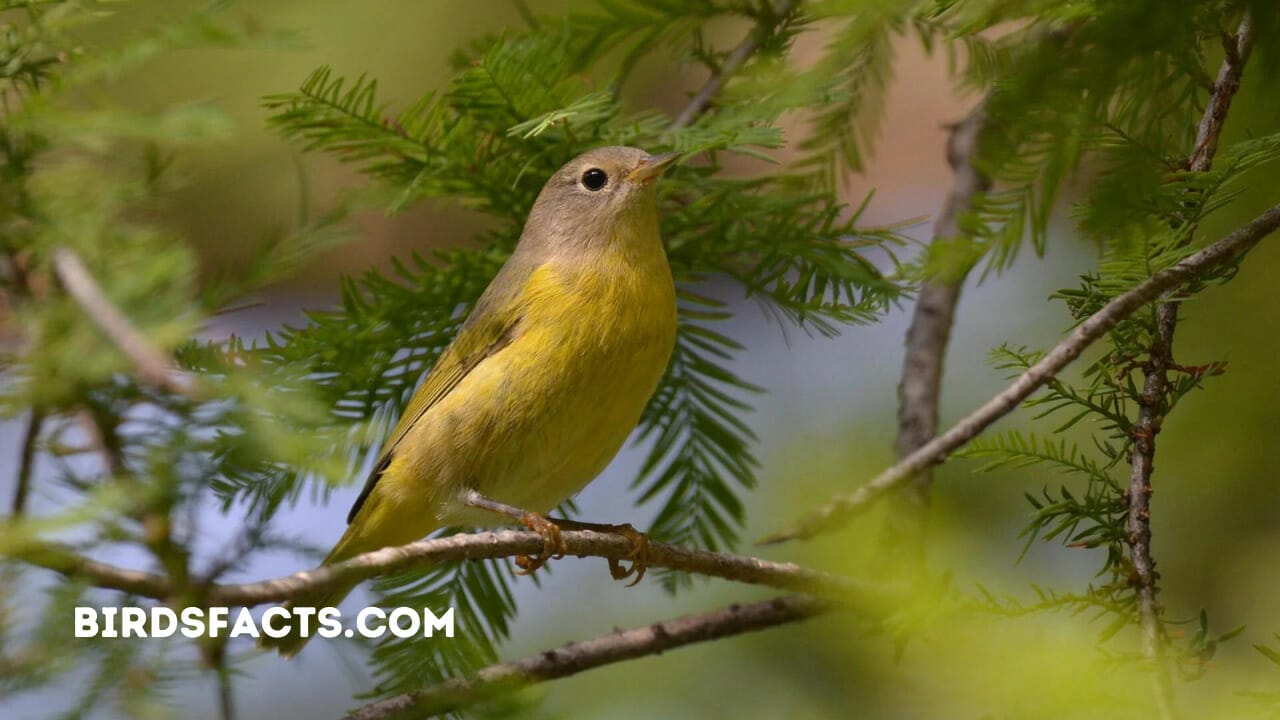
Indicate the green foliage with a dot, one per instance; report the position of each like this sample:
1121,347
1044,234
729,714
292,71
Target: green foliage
1075,82
855,71
1131,109
1266,703
701,458
131,466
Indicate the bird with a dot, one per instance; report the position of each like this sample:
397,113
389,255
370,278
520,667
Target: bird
545,380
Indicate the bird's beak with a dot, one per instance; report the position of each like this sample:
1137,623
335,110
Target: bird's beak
651,167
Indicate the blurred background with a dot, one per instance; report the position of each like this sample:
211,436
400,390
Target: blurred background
827,422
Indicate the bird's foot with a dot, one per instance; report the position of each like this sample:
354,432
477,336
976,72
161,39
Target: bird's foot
553,545
639,555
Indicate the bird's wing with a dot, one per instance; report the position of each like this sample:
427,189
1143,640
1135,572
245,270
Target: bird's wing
492,325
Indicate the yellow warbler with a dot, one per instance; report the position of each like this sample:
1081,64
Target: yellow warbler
546,378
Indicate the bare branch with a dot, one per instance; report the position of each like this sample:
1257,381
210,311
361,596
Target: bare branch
930,332
78,567
1138,522
843,507
154,367
738,57
1225,87
477,546
1152,404
576,657
26,462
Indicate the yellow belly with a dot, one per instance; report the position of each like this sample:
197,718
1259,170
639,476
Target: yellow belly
533,424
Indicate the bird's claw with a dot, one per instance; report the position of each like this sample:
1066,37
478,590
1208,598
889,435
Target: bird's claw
553,545
639,555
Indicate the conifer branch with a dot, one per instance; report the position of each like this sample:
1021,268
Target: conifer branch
1152,403
153,366
840,509
575,657
738,57
930,332
476,546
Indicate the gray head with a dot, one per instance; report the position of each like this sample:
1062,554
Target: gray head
595,193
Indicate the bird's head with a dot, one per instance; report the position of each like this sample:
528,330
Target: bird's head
598,192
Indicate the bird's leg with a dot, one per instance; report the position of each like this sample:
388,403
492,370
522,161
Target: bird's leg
639,555
552,542
553,545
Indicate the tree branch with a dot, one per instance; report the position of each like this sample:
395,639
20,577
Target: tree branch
26,462
843,507
477,546
1209,130
1152,403
153,366
1138,521
738,57
576,657
930,332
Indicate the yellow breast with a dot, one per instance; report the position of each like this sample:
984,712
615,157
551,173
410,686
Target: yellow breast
597,341
536,421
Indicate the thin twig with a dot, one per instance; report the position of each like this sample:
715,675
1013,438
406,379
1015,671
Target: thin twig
153,366
841,508
226,692
929,333
26,462
738,57
477,546
103,441
66,561
1152,403
576,657
234,553
1138,522
1209,130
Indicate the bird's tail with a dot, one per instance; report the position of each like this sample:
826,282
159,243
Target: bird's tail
348,546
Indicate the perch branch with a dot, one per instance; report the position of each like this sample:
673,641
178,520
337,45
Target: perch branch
477,546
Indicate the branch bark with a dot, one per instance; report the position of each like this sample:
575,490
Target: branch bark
930,332
576,657
1153,402
843,507
477,546
153,366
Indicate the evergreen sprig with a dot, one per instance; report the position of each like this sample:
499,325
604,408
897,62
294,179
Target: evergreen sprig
1142,213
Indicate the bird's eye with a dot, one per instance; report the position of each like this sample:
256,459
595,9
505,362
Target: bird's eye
594,179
